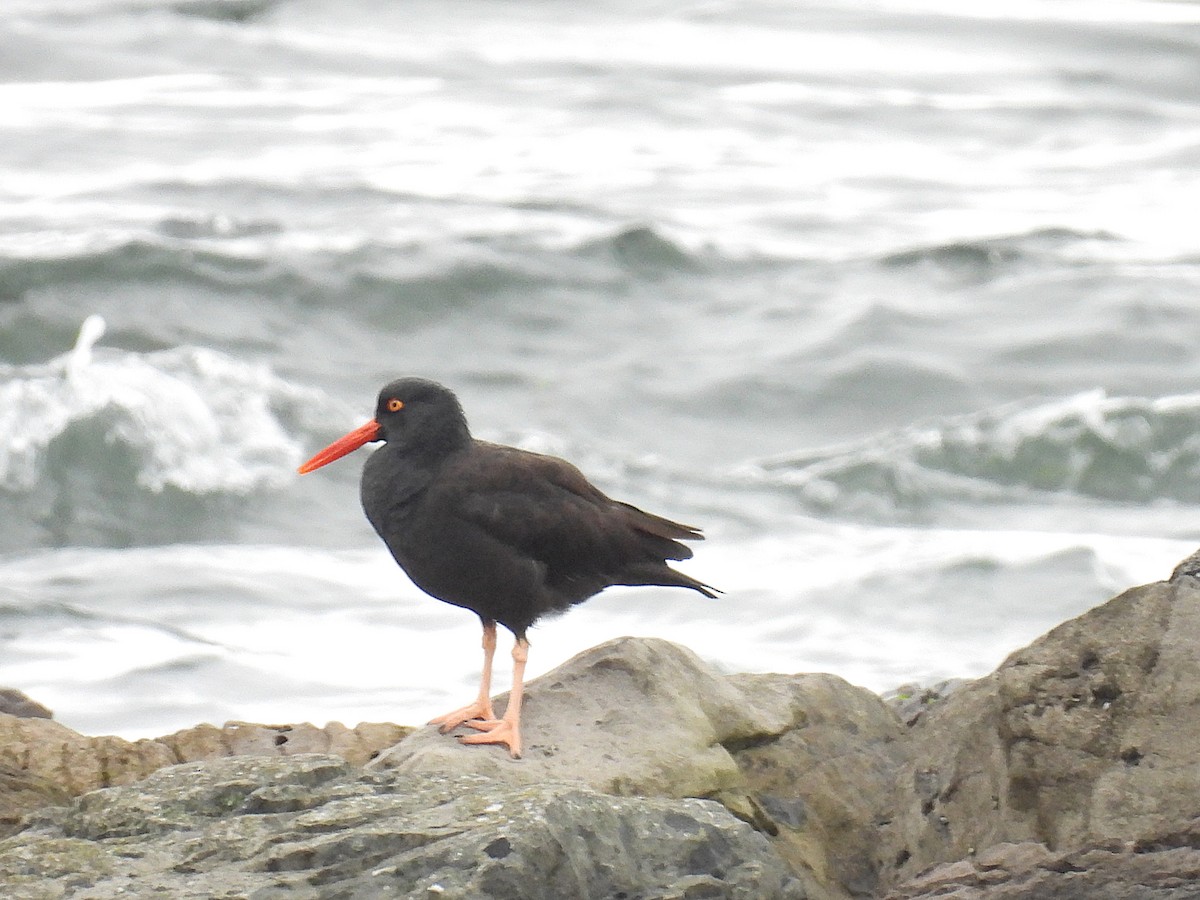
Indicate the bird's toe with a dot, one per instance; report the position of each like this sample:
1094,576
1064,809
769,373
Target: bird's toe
465,715
500,732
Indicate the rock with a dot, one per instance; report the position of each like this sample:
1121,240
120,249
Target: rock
312,826
45,763
355,745
1163,868
911,701
1069,772
824,784
77,763
630,717
1189,566
807,759
17,703
22,792
1084,738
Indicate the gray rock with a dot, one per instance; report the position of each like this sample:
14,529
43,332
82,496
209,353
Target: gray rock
1085,738
911,701
311,826
825,785
1163,868
1189,566
809,760
631,716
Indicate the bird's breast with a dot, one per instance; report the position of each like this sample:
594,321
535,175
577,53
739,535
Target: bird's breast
391,491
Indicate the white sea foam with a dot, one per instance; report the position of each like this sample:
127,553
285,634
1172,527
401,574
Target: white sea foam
199,420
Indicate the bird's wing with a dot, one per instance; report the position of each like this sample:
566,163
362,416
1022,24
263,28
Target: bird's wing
545,509
539,505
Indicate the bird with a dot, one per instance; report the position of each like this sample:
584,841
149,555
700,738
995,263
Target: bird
508,534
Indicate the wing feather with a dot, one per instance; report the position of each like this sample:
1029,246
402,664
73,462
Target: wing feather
547,509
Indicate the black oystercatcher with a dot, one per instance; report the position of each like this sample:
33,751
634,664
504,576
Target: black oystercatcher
508,534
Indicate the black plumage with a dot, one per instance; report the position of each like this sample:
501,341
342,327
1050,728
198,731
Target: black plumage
509,534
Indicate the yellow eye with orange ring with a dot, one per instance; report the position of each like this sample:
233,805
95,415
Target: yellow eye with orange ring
395,405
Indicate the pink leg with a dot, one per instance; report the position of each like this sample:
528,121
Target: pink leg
506,730
481,708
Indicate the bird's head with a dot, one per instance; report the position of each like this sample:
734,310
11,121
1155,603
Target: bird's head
413,414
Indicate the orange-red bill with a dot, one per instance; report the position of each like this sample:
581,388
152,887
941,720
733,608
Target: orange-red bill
364,434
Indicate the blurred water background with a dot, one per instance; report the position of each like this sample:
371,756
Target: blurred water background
900,301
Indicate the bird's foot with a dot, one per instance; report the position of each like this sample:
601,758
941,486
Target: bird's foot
497,731
480,709
484,724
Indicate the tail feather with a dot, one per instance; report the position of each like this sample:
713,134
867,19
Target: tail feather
665,576
658,526
660,541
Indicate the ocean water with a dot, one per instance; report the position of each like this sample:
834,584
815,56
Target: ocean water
899,301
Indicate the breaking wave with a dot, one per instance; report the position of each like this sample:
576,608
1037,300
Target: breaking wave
195,419
115,448
1117,449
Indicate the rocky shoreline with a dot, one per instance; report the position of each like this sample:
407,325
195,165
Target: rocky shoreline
1072,771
